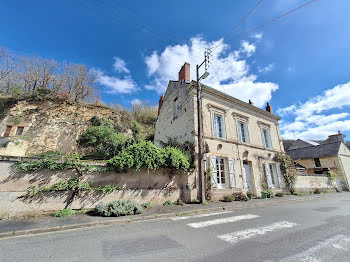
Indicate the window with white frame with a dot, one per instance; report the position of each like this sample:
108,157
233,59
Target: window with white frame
266,137
176,108
220,171
218,123
243,132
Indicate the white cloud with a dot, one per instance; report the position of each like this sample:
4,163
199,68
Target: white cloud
286,110
116,85
308,123
258,36
229,72
266,69
136,101
120,65
248,48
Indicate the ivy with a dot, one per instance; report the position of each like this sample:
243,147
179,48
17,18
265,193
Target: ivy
147,155
287,169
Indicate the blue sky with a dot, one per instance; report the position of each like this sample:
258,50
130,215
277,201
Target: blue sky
299,64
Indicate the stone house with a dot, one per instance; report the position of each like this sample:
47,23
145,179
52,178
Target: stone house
241,139
320,158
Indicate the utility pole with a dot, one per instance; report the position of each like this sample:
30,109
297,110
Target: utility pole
200,126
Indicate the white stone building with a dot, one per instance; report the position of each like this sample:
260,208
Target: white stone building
241,139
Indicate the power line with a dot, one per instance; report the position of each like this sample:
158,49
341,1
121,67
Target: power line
274,20
235,28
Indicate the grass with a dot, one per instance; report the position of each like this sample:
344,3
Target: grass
67,212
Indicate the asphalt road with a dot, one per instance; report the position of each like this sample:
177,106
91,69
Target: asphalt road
312,231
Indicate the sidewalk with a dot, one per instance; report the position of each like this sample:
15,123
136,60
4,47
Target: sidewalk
17,227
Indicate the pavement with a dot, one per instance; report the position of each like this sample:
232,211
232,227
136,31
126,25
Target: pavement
44,224
316,230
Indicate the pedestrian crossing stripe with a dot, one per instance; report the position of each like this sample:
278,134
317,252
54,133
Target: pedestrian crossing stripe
222,221
234,237
201,215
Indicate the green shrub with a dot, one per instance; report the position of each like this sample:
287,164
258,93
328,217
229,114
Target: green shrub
240,196
147,155
67,212
168,203
146,205
297,194
195,201
229,198
179,202
271,194
118,208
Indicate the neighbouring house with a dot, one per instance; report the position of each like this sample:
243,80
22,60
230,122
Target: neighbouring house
321,157
241,139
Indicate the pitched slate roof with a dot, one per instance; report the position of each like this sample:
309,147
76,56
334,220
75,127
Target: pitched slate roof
287,143
324,150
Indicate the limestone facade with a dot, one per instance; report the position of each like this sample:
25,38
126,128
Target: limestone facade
241,139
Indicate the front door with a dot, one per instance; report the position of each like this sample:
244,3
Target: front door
220,173
247,175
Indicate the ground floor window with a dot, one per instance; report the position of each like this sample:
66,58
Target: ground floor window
19,131
220,171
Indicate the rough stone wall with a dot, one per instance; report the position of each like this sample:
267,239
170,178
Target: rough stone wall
307,183
334,163
140,186
51,125
181,127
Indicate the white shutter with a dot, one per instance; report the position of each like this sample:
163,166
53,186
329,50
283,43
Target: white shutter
223,127
280,177
213,170
231,167
269,139
268,176
246,133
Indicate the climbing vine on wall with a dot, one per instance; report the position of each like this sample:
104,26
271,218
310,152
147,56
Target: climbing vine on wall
288,170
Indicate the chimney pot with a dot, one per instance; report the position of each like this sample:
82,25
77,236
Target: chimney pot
250,102
185,72
269,108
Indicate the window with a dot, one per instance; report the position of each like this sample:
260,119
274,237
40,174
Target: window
176,108
272,174
243,132
317,162
19,131
219,126
220,171
8,130
266,138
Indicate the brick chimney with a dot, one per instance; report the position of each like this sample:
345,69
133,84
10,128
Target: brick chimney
185,73
250,102
335,138
269,108
160,103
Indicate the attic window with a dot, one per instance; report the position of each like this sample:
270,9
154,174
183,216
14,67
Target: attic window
317,162
8,130
19,131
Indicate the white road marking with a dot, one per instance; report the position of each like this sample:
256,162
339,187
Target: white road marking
324,251
234,237
202,215
222,221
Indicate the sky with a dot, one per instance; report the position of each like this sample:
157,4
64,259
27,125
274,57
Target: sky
299,64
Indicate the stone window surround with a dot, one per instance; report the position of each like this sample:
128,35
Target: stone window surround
245,119
221,112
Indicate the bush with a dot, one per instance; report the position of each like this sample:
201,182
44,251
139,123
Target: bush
240,196
270,193
67,212
146,205
317,191
179,202
147,155
118,208
229,198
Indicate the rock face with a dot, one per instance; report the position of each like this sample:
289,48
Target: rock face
51,125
